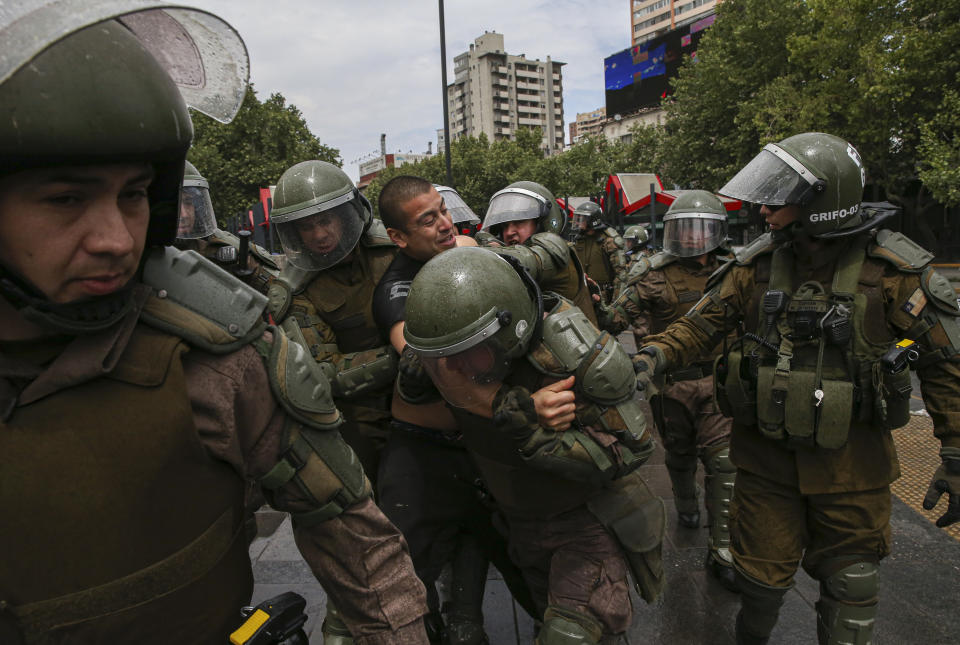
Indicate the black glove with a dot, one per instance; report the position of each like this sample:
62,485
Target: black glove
647,363
946,480
413,382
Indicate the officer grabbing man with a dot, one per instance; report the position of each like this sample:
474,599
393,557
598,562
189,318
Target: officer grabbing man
499,352
819,302
140,391
197,231
526,214
659,290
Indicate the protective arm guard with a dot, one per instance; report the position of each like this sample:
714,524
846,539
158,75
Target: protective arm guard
605,385
546,256
314,457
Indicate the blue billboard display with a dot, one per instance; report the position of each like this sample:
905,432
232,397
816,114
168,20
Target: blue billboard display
639,76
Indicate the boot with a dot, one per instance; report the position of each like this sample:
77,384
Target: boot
683,477
759,610
464,611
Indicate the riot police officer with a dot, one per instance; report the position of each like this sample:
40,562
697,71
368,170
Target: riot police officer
817,380
498,351
197,231
465,221
658,290
525,213
599,247
141,391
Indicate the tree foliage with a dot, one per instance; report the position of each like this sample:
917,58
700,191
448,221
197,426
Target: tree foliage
252,151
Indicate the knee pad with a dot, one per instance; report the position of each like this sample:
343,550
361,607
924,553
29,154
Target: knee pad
848,605
334,630
856,583
562,626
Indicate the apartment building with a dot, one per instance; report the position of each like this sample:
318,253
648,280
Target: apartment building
587,123
652,18
496,93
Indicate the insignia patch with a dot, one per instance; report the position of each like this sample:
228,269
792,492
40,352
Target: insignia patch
400,290
915,303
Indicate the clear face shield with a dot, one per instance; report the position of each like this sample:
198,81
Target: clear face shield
196,213
319,239
461,214
772,177
470,378
688,235
511,205
204,56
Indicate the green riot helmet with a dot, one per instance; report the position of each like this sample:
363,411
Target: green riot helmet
695,223
319,214
470,313
635,237
587,216
197,219
92,95
820,173
523,200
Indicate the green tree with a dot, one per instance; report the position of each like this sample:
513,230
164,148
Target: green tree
252,151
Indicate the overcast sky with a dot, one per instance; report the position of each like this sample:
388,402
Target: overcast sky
357,68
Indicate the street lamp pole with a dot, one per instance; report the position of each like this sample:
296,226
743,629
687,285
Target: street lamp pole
446,111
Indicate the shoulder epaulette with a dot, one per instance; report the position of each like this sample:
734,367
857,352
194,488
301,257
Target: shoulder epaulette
198,301
756,248
899,250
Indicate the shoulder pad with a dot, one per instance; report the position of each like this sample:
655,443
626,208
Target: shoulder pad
555,246
295,278
376,235
572,345
226,238
200,302
900,251
638,268
939,291
726,263
661,259
486,238
756,248
612,232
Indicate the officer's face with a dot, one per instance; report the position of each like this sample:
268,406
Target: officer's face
75,231
519,231
188,215
429,228
779,217
320,233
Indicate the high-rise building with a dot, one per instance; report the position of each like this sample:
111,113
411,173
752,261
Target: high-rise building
496,93
587,123
652,18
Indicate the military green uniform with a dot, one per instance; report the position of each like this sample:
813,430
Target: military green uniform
601,253
333,309
811,420
658,292
578,514
142,527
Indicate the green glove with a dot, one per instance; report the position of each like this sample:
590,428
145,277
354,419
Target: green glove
946,480
648,363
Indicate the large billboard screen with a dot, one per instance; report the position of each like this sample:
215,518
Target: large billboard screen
639,77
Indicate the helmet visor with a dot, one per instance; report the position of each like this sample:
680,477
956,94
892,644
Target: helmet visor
460,213
204,56
320,239
692,235
470,379
769,179
196,214
512,206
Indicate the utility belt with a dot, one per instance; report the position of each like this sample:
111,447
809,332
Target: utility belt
809,411
691,372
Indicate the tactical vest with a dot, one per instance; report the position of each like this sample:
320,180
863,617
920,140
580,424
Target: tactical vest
118,526
811,367
570,283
